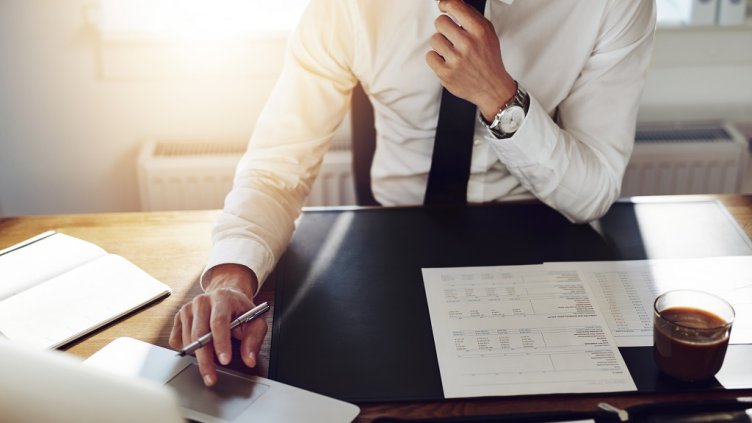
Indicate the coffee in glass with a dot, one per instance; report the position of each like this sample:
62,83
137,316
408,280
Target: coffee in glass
691,332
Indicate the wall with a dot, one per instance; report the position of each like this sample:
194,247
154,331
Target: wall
700,73
69,136
71,123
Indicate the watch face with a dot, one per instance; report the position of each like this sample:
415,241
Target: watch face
511,120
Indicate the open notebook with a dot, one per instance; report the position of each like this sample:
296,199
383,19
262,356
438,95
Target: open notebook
55,288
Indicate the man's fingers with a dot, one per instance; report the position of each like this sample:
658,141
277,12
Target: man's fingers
456,39
205,360
220,327
470,66
443,47
447,27
186,318
213,311
194,320
189,327
251,336
463,14
200,326
176,339
436,63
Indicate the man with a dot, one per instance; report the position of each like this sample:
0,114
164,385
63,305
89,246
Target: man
573,71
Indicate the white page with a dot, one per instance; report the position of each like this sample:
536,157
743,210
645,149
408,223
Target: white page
53,313
35,263
519,330
626,290
736,372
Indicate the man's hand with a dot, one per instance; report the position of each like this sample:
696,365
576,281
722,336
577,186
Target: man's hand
229,294
466,57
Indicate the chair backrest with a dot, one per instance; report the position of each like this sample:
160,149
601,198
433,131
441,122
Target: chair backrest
363,146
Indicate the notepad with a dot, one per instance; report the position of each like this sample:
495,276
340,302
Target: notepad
55,288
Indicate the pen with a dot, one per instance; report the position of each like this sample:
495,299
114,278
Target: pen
243,318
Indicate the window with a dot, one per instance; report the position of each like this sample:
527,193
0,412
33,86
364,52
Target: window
701,12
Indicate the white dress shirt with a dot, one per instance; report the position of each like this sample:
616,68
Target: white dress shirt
583,63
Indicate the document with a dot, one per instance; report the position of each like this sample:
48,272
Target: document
625,291
519,330
55,288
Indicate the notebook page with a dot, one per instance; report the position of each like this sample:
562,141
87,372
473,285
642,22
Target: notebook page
35,263
62,309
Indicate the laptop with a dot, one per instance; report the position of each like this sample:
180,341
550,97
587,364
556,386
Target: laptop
236,397
52,386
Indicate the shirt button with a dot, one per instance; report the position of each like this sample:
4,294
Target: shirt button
477,141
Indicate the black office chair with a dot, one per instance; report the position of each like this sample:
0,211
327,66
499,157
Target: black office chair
363,146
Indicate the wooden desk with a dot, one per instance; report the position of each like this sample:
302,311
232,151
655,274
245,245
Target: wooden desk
174,246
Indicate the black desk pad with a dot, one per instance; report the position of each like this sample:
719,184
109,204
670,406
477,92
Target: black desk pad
351,318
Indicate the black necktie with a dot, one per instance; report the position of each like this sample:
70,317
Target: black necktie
453,146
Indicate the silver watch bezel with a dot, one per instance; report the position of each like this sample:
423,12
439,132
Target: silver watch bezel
502,127
510,119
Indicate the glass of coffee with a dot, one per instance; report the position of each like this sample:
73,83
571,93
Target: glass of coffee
691,332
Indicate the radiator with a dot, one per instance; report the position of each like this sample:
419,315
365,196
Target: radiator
686,159
198,174
667,159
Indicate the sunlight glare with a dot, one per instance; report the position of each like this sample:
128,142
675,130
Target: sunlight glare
203,19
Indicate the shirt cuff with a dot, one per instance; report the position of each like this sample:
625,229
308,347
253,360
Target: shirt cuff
247,252
532,143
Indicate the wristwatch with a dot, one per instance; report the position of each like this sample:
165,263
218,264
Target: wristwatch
510,116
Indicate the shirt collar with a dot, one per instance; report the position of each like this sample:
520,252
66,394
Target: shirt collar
507,1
